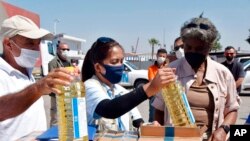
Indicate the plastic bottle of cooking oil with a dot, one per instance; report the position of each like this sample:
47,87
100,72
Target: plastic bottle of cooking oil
177,105
71,111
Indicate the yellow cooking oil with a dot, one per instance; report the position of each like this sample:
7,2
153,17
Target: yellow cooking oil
177,104
71,108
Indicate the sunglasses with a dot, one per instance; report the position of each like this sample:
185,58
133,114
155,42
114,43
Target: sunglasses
201,26
65,49
229,53
178,47
105,40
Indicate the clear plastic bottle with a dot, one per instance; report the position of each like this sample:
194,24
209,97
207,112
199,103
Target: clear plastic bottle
177,105
71,111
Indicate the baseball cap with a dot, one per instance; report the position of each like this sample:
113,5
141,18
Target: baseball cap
20,25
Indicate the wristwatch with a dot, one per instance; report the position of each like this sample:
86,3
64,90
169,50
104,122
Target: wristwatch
225,127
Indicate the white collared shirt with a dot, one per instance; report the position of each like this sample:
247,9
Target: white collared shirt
33,119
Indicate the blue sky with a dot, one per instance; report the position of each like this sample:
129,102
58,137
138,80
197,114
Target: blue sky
128,20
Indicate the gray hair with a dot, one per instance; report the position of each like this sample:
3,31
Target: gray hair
200,28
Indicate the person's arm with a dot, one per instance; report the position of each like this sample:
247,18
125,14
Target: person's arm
120,105
12,105
239,81
241,76
231,107
220,133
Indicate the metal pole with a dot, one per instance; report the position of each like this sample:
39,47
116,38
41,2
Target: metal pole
163,44
55,22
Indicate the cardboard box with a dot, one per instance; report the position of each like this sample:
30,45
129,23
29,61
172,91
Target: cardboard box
117,136
162,133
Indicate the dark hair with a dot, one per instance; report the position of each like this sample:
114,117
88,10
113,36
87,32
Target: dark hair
177,39
229,47
96,54
162,50
60,43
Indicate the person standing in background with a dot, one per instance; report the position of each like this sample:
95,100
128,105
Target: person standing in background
152,71
75,63
234,66
178,48
60,60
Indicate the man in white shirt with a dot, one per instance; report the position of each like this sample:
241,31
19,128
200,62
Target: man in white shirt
21,103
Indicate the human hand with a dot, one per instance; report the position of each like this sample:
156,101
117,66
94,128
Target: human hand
163,77
156,123
218,135
58,76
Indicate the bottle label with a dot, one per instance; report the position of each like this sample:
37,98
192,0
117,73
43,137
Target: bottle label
79,117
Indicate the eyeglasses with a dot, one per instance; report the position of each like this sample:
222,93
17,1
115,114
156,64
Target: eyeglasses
65,49
178,47
201,26
105,40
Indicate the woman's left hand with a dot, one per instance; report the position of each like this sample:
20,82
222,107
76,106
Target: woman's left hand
218,135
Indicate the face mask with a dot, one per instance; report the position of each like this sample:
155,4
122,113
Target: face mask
113,73
65,53
27,57
229,58
160,60
179,53
195,59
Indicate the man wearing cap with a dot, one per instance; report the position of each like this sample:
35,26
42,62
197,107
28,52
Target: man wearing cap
21,103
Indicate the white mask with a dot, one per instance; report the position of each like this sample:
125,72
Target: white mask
160,60
65,53
179,53
27,57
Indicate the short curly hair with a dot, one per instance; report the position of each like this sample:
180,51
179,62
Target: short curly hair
200,28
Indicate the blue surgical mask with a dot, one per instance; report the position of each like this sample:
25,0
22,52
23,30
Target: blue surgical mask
113,73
